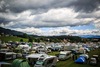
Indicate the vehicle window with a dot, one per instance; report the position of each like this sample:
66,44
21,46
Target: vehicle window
50,61
8,56
32,61
39,62
61,55
68,54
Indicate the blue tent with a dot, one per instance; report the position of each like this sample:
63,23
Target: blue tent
81,59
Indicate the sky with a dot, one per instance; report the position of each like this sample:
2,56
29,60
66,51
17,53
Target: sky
51,17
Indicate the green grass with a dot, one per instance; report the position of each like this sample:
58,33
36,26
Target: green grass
71,63
12,38
53,53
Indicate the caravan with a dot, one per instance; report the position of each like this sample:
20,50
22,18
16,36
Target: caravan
43,49
24,47
6,54
42,60
64,55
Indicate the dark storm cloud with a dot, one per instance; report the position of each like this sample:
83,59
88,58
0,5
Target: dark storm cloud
43,6
85,5
2,6
21,5
4,21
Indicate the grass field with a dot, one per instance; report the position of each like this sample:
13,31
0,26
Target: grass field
12,38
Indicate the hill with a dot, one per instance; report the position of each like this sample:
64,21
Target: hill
10,32
12,38
90,36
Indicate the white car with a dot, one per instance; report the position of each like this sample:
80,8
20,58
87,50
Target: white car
93,61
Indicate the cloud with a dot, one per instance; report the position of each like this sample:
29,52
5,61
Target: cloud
30,30
58,31
97,23
93,16
85,5
37,14
53,18
12,10
22,5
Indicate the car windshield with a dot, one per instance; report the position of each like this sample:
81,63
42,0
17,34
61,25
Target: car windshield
39,62
61,56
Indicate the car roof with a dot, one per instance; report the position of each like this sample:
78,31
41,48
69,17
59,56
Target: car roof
38,56
64,52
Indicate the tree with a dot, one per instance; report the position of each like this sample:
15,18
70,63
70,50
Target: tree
21,40
30,39
25,35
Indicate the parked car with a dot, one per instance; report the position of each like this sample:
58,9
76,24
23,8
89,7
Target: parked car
93,61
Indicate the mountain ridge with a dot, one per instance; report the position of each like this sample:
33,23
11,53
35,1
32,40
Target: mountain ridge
9,31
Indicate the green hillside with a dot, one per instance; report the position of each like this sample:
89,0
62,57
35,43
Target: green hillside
10,32
12,38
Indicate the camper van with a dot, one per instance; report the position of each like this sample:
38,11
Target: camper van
56,47
24,47
64,55
43,50
42,60
6,54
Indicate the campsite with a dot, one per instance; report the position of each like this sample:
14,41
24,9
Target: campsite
25,54
49,33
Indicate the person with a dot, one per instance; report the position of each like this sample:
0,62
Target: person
74,55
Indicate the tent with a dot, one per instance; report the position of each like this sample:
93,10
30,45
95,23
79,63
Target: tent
20,63
30,44
81,59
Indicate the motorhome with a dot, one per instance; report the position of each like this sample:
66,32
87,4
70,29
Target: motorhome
56,47
24,47
43,50
64,55
42,60
6,54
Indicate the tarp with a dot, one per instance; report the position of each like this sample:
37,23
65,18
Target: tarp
81,59
20,63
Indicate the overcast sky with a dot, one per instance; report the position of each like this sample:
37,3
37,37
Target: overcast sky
51,17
